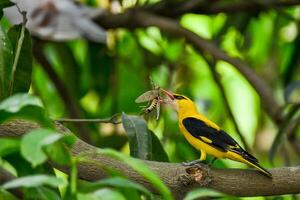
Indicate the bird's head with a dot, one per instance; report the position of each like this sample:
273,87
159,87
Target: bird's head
180,102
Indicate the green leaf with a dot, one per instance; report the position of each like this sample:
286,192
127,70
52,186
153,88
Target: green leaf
143,143
5,4
20,77
158,152
41,193
102,194
35,145
142,169
139,139
6,62
6,195
114,182
203,193
34,181
23,106
8,146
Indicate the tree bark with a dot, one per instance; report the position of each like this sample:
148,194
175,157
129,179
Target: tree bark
180,179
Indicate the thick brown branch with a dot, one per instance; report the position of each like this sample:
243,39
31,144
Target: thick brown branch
179,179
137,18
175,9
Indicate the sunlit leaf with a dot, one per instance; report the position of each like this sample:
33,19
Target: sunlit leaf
114,182
23,106
203,193
37,144
21,41
102,194
139,139
34,181
142,169
8,145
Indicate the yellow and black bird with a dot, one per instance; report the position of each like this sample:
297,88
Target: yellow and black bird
208,137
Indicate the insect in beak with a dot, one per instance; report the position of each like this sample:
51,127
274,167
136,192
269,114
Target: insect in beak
167,93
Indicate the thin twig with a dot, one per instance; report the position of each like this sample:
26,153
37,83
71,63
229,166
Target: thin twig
216,77
113,120
282,128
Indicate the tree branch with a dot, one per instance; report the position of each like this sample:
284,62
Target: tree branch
171,9
178,178
136,18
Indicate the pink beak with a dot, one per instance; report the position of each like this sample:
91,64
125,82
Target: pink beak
169,94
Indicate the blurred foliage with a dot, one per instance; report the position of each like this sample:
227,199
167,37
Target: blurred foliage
105,79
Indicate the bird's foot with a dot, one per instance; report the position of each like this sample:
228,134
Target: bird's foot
191,163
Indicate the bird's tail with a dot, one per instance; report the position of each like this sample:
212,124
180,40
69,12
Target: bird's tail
259,167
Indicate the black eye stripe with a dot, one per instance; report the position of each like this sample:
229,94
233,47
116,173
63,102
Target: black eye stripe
178,97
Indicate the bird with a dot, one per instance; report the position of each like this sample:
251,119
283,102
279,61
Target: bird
206,136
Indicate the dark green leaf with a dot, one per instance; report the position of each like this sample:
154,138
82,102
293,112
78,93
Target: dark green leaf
114,182
158,152
8,145
20,40
58,153
142,169
6,62
23,106
34,181
203,193
5,4
71,70
139,139
1,14
101,65
41,193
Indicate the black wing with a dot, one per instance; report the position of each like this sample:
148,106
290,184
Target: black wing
219,138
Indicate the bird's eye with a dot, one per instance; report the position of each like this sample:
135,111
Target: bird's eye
178,97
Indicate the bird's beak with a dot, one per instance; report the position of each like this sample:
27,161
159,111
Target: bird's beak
167,93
